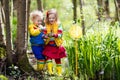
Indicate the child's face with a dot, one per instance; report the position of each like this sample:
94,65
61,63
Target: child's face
51,18
37,21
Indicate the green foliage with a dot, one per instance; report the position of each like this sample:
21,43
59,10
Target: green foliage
98,53
2,77
14,28
2,52
14,71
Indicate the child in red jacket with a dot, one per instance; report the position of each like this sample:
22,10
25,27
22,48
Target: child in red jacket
53,48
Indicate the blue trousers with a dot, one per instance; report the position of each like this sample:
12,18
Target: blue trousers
37,50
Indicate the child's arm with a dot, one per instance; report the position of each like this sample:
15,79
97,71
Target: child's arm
42,28
60,30
45,36
34,31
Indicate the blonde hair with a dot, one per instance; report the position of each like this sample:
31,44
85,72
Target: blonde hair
51,11
35,14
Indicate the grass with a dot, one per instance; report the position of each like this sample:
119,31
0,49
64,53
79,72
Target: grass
98,52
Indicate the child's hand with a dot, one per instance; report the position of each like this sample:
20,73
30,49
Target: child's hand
50,35
41,27
44,36
55,35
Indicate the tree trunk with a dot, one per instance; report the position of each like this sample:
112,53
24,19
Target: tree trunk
1,29
1,35
21,43
107,11
15,4
117,7
8,31
118,1
100,9
82,17
74,11
40,5
27,19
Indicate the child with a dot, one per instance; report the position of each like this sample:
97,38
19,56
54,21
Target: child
53,48
36,40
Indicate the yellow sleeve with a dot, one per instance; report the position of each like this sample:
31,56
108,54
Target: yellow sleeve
34,31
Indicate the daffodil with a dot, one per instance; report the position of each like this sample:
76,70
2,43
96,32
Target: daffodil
75,32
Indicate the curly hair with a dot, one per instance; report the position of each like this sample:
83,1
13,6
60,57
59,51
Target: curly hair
35,14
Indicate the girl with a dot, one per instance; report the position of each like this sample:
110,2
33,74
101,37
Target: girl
53,48
36,40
